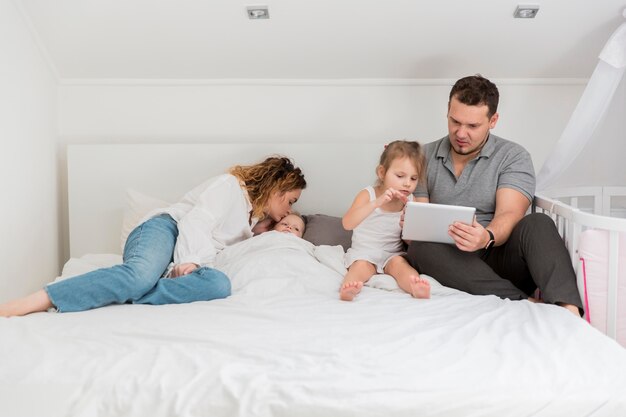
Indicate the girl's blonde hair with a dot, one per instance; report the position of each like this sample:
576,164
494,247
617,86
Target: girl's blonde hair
403,149
276,173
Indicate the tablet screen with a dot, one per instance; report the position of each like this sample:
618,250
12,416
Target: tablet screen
428,222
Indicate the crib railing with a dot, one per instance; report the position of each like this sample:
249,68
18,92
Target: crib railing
563,217
601,197
571,221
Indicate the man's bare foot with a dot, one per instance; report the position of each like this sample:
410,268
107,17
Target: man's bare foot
420,287
571,308
349,290
38,301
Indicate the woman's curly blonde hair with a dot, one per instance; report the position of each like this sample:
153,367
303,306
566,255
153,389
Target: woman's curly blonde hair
276,173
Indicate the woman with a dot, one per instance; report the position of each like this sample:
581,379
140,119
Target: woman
186,237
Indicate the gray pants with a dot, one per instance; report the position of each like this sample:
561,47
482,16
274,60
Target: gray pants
533,257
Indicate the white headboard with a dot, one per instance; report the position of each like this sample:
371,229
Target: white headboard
98,176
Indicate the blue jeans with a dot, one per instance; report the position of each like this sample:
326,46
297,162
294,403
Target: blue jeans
147,254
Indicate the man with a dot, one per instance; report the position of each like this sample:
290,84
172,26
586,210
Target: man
503,252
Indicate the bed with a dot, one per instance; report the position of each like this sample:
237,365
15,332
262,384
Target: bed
283,344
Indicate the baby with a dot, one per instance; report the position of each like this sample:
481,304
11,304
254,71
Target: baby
291,223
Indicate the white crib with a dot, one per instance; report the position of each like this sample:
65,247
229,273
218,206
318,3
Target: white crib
577,212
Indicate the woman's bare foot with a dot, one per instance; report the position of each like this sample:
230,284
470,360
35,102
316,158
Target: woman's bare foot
349,290
420,287
38,301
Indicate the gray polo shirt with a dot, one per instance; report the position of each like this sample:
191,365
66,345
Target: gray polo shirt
500,164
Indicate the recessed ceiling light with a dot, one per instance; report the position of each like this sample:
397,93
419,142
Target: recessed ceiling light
258,12
526,12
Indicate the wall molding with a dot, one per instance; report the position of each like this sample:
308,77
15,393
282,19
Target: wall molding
347,82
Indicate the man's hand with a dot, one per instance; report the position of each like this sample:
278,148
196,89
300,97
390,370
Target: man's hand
182,269
469,238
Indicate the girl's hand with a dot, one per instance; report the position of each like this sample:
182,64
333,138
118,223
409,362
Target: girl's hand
408,242
182,269
390,194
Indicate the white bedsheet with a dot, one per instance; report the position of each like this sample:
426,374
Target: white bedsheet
284,345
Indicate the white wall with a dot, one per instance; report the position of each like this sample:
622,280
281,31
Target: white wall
29,246
532,112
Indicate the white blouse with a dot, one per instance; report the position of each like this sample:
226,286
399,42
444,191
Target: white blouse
210,217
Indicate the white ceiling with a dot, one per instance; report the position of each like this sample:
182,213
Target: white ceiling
213,39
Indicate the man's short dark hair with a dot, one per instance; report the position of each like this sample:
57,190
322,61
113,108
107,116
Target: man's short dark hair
476,90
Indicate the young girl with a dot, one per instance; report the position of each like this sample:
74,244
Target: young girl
218,213
375,218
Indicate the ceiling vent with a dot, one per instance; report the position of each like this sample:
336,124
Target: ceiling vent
526,12
258,12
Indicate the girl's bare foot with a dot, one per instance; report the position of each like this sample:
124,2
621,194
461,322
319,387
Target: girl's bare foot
420,287
38,301
349,290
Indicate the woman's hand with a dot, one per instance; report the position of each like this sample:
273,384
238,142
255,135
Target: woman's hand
263,226
182,269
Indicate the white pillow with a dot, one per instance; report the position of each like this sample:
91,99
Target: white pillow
88,263
137,206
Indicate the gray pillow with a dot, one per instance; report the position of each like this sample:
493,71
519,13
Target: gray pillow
326,230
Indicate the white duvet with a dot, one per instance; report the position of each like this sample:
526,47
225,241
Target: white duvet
284,345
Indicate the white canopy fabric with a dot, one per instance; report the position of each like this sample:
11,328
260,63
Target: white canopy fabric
590,109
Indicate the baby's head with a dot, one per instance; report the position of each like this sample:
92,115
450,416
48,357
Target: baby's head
291,223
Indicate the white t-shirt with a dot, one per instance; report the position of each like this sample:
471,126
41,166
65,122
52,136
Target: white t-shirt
210,217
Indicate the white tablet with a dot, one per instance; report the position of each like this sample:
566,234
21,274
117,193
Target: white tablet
428,222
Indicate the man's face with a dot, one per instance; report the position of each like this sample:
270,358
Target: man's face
468,126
